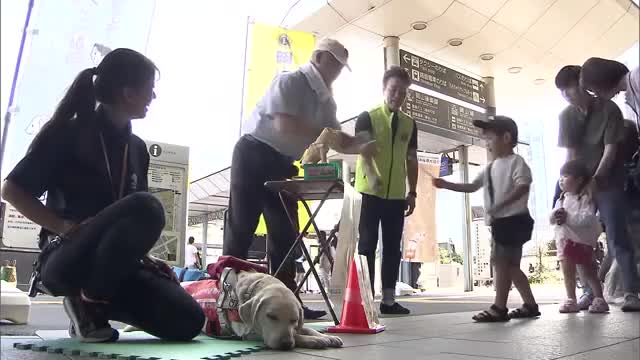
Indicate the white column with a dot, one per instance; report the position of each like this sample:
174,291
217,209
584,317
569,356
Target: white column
205,228
391,51
467,258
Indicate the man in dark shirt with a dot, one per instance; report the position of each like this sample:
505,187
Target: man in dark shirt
385,200
592,130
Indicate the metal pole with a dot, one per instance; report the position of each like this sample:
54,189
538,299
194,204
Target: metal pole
244,74
466,225
14,83
491,111
205,228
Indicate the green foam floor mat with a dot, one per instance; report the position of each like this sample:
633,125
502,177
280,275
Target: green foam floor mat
142,346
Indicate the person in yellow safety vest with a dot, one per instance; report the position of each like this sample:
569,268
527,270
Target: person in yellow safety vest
396,137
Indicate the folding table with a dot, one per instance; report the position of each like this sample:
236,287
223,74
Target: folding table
303,191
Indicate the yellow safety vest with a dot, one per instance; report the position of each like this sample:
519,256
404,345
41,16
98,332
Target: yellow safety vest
392,154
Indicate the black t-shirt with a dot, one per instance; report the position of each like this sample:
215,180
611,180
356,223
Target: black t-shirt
66,160
363,123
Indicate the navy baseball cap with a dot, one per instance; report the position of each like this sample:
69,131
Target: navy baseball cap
500,124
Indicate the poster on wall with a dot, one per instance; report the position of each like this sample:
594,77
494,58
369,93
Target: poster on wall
18,232
420,243
272,51
168,182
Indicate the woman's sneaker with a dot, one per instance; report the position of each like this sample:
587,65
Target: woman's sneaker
569,306
599,306
87,323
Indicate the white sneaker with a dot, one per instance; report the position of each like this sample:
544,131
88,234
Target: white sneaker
599,306
585,301
631,303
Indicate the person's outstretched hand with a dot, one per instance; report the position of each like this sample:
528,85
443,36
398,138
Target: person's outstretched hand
439,183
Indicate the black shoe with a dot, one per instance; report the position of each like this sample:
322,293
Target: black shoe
310,314
88,324
395,309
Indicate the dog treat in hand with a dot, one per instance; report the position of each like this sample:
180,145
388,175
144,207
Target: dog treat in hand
334,139
316,153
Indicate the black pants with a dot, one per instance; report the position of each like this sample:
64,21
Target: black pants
253,164
103,259
390,214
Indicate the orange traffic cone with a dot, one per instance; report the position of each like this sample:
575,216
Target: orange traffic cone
354,317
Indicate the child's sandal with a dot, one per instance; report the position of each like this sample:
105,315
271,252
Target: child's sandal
494,314
526,311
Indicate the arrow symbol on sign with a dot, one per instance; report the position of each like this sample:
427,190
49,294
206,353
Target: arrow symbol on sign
406,58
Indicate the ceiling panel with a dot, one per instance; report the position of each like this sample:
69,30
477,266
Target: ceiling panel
519,15
487,8
355,38
459,21
620,37
493,38
540,36
576,46
557,21
293,11
522,53
395,18
353,9
325,21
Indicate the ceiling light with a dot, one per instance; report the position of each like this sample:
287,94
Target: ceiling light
419,25
487,57
514,69
539,81
455,42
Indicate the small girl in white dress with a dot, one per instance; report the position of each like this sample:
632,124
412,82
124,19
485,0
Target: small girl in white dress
577,229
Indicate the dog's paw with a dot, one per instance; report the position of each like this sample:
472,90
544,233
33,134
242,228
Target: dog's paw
312,342
318,341
334,341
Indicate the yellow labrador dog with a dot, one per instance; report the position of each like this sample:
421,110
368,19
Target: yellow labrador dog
267,310
272,311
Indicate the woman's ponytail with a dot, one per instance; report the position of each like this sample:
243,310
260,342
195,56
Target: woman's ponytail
79,100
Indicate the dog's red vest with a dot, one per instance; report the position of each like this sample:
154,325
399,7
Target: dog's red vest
207,293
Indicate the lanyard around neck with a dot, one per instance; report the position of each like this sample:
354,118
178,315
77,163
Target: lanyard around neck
123,172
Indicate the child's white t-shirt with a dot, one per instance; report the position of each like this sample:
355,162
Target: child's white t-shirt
506,173
582,224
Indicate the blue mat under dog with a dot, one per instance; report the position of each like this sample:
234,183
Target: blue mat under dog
142,346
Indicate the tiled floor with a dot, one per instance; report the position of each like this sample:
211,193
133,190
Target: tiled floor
582,336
